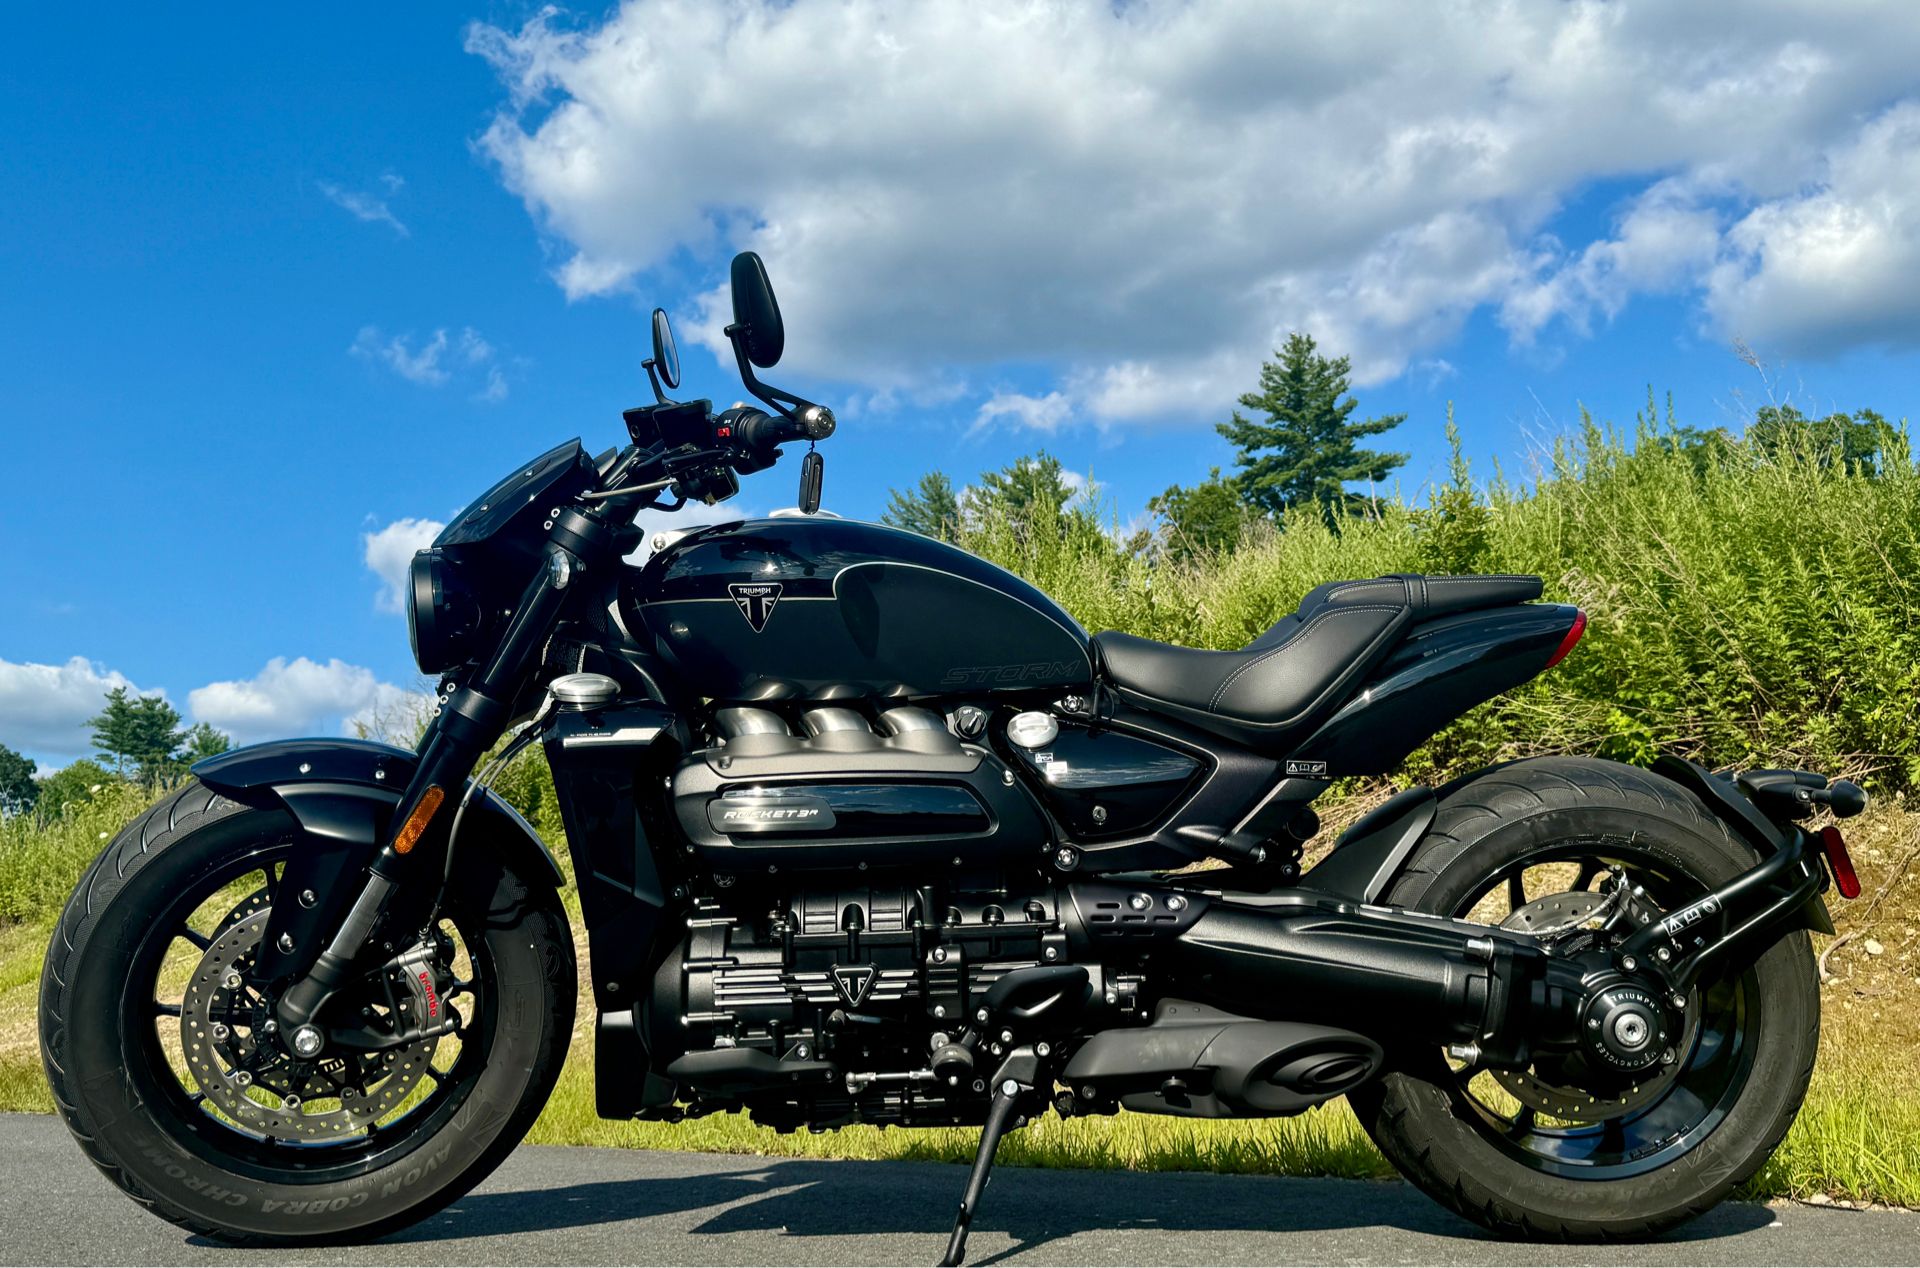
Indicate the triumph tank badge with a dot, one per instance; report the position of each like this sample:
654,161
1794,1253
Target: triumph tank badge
755,601
854,981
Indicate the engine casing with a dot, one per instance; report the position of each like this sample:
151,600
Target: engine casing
851,992
845,792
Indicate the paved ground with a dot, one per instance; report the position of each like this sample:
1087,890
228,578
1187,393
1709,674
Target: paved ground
553,1206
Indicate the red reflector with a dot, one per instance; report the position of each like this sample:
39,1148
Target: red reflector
1840,861
1573,636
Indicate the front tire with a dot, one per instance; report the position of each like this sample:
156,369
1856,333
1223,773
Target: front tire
113,1047
1668,1155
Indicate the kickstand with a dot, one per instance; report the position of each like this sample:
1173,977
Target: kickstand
999,1114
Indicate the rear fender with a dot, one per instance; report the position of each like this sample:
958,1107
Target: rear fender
342,794
1371,853
1724,797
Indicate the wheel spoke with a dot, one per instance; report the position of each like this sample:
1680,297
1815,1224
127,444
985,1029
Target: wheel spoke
198,939
165,1010
1516,892
1589,868
273,883
1522,1124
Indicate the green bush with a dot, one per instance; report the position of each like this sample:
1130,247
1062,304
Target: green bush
1746,605
42,856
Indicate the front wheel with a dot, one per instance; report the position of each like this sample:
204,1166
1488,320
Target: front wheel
1537,846
159,1045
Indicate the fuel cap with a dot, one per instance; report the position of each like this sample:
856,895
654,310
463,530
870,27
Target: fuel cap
577,693
1032,729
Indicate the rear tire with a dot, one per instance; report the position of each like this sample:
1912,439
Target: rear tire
1422,1118
196,1169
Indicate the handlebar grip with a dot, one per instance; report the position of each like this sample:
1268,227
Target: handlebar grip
757,429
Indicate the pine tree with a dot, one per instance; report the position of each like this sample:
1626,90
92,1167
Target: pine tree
140,735
930,508
1305,452
1017,490
202,741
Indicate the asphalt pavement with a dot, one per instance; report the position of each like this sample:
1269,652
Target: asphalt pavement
616,1206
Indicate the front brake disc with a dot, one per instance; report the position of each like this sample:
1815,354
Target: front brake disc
247,1076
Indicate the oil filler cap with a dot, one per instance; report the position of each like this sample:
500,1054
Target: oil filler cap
1032,729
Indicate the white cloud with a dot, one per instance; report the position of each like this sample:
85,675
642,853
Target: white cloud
1041,413
295,697
44,709
1142,199
1833,266
389,553
435,362
1666,239
367,207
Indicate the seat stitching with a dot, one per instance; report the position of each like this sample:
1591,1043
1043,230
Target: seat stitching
1307,628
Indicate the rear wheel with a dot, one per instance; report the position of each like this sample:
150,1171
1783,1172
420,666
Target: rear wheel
1547,1152
160,1048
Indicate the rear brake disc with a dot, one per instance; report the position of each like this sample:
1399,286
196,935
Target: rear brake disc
1559,915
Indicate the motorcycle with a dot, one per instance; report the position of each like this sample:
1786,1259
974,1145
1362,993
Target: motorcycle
866,830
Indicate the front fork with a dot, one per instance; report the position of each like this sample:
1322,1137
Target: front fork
467,724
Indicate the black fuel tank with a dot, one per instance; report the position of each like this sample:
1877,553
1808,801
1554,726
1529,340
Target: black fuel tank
810,608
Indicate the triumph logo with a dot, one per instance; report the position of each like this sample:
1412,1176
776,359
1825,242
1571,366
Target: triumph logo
755,601
855,981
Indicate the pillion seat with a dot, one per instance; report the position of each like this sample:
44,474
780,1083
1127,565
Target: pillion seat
1282,678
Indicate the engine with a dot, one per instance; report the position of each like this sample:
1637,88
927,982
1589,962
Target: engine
816,985
835,1005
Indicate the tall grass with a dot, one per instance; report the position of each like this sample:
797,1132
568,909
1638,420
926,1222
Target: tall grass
42,857
1745,606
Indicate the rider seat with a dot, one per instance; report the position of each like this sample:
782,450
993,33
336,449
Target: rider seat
1283,678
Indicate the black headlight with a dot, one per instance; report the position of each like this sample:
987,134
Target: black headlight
443,613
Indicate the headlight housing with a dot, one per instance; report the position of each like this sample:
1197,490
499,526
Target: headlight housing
443,613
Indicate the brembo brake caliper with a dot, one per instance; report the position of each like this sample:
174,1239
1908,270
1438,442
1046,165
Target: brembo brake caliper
419,966
415,984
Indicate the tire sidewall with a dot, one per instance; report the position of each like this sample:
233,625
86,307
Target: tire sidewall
92,1052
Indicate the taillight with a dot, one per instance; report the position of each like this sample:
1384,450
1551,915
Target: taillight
1573,636
1841,863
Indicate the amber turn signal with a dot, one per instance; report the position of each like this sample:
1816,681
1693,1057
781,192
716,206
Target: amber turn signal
417,821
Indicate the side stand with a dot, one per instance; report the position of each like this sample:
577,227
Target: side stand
1006,1098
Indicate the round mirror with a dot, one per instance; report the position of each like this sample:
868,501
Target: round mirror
666,356
756,312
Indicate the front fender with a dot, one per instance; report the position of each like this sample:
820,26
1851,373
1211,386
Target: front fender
342,794
344,791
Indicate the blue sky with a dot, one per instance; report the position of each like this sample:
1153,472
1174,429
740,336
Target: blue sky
272,283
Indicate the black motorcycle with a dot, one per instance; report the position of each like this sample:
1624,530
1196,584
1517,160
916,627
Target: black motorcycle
866,830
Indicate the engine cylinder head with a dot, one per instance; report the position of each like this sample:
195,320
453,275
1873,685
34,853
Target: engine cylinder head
734,723
839,730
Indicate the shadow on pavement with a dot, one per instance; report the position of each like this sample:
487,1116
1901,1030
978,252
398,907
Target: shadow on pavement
808,1198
